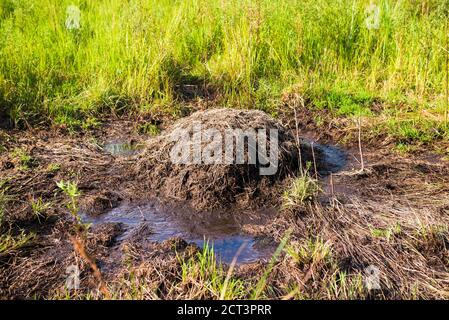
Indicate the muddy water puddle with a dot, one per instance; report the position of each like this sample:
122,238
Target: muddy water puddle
329,158
333,160
156,222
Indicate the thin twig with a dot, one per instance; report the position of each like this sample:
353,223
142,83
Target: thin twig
360,145
332,189
446,35
297,140
314,162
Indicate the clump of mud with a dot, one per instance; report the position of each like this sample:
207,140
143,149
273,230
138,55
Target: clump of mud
209,186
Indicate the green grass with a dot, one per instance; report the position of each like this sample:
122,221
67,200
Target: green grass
148,128
421,131
26,161
311,251
207,278
387,233
39,207
9,243
53,167
342,101
302,189
3,201
404,148
262,284
430,232
344,286
136,55
318,257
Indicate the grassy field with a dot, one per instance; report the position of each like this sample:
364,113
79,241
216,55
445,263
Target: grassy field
142,55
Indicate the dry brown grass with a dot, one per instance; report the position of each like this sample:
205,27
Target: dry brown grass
226,183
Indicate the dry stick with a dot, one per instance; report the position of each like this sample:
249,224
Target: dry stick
332,189
297,139
81,249
360,146
314,162
141,214
447,67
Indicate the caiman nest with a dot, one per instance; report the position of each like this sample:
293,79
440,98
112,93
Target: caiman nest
171,165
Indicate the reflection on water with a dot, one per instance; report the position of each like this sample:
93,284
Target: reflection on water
330,159
153,222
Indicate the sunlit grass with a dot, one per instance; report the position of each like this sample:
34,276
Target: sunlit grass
206,277
137,55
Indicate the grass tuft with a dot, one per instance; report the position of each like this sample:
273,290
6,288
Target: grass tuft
206,278
302,189
9,243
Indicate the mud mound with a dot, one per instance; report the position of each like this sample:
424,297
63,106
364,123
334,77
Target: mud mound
217,184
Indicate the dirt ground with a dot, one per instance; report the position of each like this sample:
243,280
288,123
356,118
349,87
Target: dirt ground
393,215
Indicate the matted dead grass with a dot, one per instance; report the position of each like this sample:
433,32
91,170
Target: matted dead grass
212,186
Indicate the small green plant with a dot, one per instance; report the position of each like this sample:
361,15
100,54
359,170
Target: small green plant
319,121
302,189
53,167
148,128
71,190
39,207
431,232
386,233
342,285
9,243
26,160
80,229
90,123
310,252
404,147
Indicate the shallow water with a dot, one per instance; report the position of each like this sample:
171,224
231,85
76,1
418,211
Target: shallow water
334,157
154,222
121,148
331,158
